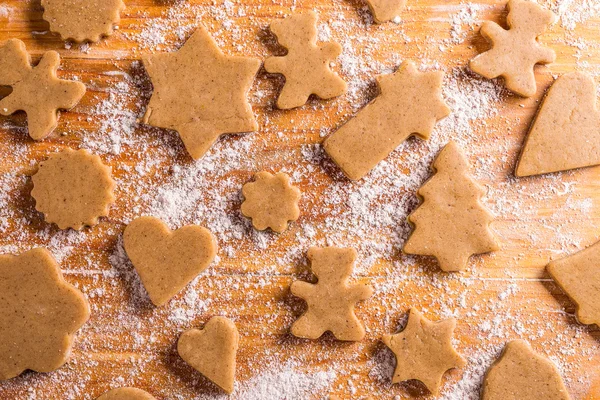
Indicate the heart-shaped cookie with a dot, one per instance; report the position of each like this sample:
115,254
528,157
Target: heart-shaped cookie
167,260
211,351
126,393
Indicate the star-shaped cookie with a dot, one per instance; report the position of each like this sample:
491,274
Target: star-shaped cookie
424,350
200,92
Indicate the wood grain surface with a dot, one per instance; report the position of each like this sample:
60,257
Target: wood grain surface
502,296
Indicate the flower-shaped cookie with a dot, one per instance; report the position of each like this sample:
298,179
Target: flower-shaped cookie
73,189
271,201
39,312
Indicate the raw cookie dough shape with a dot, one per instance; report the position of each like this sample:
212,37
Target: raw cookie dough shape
73,188
35,90
126,393
167,260
211,351
306,65
451,224
271,201
565,133
410,102
516,51
331,300
39,313
200,92
386,10
82,20
521,374
579,276
424,350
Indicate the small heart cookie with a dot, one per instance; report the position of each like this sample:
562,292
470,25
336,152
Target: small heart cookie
211,351
167,260
126,393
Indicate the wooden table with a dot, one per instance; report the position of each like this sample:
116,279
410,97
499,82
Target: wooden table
502,296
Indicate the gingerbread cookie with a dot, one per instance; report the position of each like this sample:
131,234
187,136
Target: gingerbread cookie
521,374
211,351
200,92
126,393
331,300
82,20
516,51
35,90
73,188
451,224
306,65
39,313
566,130
410,102
386,10
167,260
424,350
271,201
579,276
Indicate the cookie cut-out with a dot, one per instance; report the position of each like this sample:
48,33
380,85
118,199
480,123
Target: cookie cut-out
39,314
521,374
83,20
386,10
167,260
306,65
565,133
410,102
579,276
200,92
516,51
35,90
331,300
451,224
73,188
424,350
271,201
126,393
211,351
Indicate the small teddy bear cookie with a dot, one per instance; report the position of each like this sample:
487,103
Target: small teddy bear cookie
386,10
35,90
200,92
126,393
424,350
516,51
82,20
410,102
331,300
521,374
212,350
73,188
306,65
271,201
39,313
167,260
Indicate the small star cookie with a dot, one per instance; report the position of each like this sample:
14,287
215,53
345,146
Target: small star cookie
82,20
521,374
200,93
516,51
331,300
271,201
212,350
386,10
39,313
35,90
167,260
451,224
73,188
579,276
126,393
306,65
566,129
424,350
410,102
